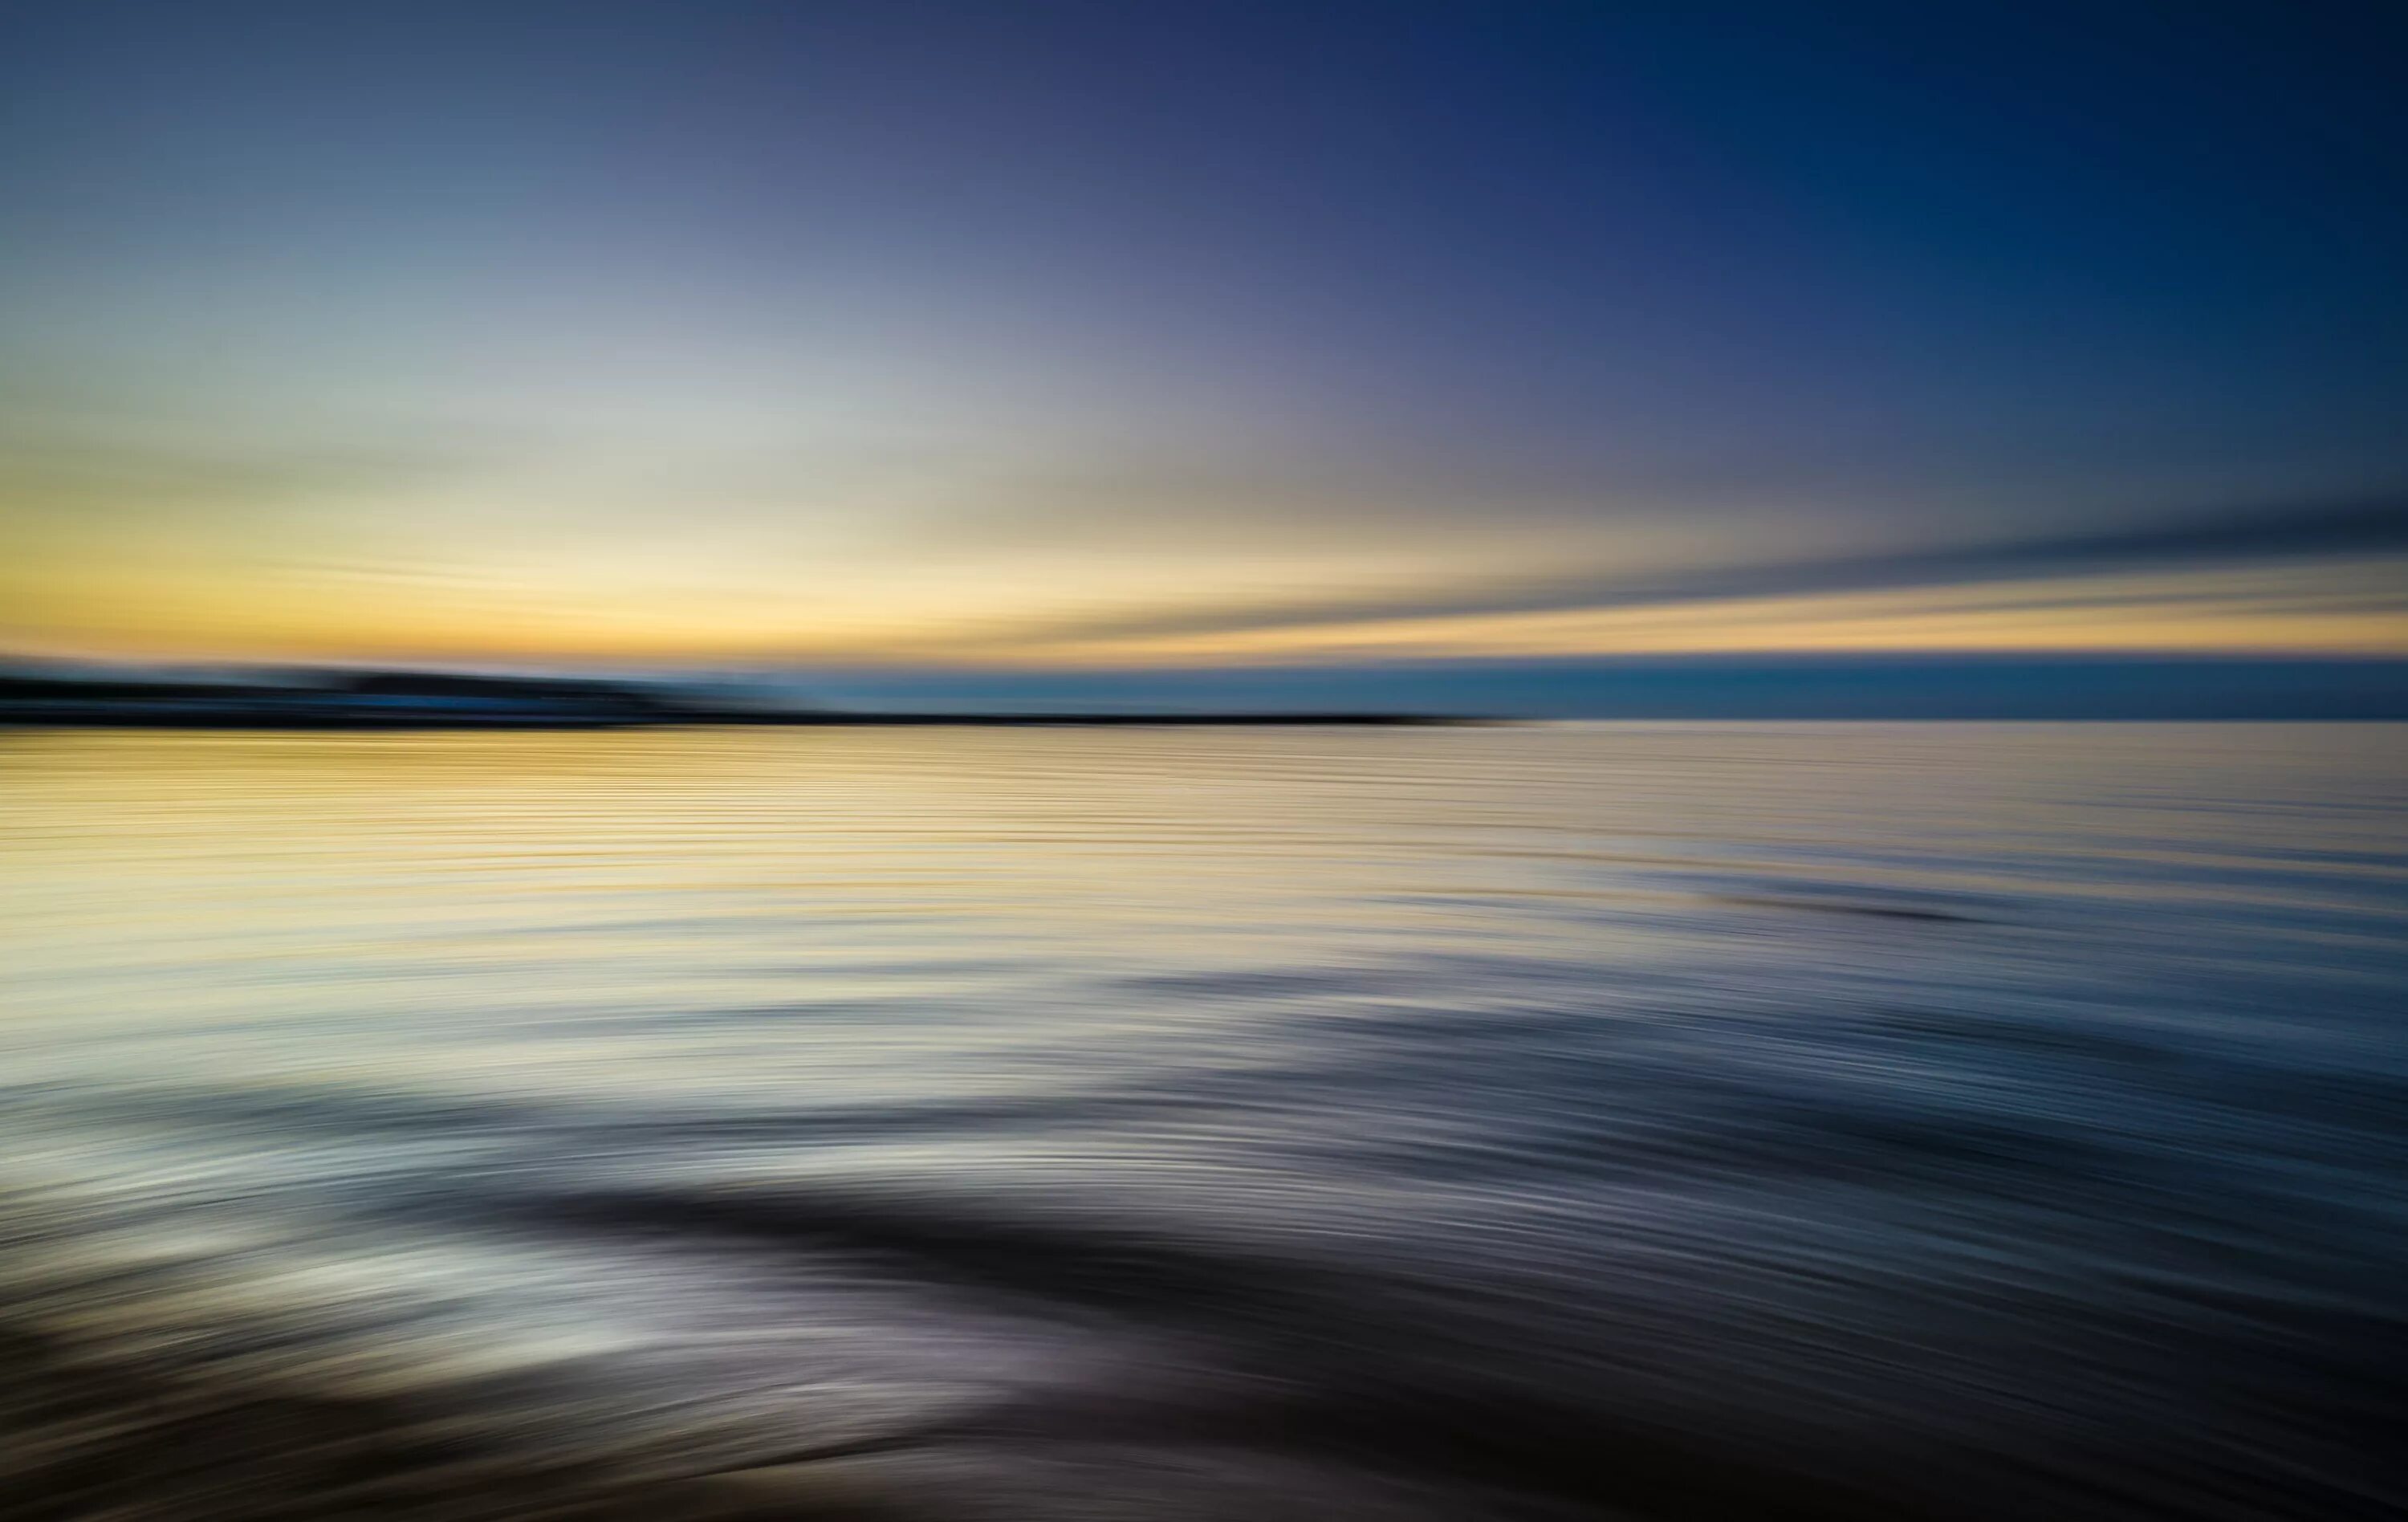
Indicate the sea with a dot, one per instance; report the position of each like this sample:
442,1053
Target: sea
1733,1121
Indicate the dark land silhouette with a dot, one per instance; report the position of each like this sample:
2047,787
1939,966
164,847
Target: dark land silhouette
452,700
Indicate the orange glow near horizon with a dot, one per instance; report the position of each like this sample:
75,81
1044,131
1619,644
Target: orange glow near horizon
160,604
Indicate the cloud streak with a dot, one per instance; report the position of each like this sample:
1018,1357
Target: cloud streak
2374,525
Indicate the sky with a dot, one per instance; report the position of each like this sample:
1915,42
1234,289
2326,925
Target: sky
1175,337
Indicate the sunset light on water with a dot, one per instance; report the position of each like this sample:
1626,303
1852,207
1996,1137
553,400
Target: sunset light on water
1042,761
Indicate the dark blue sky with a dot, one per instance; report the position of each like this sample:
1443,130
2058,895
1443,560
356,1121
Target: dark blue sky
1168,334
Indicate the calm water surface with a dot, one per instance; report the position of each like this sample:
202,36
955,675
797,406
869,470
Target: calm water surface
1651,1121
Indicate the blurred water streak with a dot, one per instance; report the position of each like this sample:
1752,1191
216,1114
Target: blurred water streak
1716,1120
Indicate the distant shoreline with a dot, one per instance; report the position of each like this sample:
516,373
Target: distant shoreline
699,720
429,700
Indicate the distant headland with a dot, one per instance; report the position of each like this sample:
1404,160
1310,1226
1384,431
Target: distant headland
380,699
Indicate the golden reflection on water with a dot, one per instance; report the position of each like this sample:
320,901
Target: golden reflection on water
542,896
649,1099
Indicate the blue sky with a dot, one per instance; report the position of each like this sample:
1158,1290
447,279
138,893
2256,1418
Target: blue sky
1076,337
